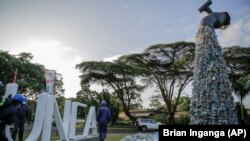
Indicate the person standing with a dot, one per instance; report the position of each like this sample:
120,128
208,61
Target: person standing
103,119
21,116
1,87
7,111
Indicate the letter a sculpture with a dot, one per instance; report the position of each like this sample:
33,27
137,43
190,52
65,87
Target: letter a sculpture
212,102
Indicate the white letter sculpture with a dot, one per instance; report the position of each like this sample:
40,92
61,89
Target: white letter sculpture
47,108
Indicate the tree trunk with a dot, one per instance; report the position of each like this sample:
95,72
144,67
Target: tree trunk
241,110
128,114
171,119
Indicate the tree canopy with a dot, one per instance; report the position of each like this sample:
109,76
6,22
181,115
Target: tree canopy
118,76
30,76
169,66
238,61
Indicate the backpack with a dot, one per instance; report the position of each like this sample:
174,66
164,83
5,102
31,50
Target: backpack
21,112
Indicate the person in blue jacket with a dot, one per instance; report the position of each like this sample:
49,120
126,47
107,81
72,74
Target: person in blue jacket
7,111
103,119
21,116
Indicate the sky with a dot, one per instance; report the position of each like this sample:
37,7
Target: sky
63,33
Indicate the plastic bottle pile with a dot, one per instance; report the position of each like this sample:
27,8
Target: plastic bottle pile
142,137
212,101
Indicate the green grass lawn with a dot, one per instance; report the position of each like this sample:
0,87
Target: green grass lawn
110,137
115,137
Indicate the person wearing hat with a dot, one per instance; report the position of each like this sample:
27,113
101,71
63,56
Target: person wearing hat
103,119
21,116
8,111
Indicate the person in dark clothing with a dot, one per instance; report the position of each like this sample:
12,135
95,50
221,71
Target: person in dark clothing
103,119
21,116
7,117
7,111
1,87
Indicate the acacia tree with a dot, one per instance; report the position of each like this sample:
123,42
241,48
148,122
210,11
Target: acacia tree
118,76
88,96
170,69
237,59
184,104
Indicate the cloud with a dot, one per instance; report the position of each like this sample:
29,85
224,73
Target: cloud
67,48
112,58
57,56
230,36
247,25
237,34
78,59
247,40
